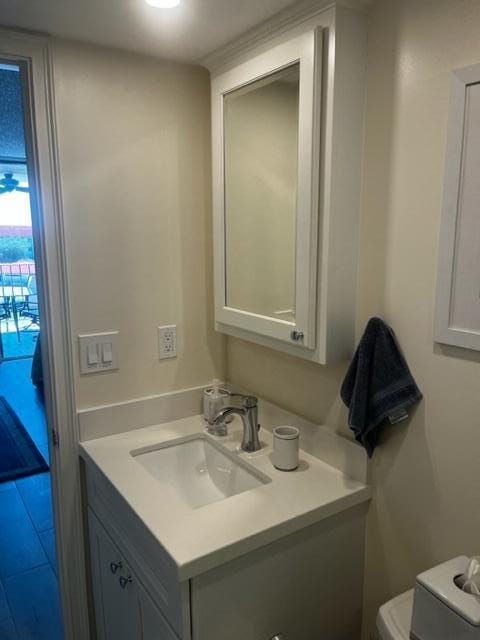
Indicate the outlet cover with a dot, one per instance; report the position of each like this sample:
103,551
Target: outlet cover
167,341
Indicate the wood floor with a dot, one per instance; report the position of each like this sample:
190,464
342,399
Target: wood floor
29,597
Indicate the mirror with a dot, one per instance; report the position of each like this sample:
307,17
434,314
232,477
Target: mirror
261,124
266,115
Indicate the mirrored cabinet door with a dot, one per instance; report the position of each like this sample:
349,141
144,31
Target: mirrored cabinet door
261,185
266,116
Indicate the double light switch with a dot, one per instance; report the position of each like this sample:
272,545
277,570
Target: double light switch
98,352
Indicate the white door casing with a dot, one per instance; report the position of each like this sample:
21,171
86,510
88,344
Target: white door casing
34,53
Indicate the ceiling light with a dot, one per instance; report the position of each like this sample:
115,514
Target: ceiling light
163,4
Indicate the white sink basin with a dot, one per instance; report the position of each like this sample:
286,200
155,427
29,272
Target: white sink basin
199,470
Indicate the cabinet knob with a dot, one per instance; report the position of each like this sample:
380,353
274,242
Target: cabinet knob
115,566
296,336
125,581
279,636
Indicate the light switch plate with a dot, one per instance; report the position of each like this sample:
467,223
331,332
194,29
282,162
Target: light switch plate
98,352
167,341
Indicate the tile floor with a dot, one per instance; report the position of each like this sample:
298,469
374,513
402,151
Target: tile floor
29,598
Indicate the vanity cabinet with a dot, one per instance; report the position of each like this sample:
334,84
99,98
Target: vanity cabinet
305,584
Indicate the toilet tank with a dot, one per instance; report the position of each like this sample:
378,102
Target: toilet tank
441,610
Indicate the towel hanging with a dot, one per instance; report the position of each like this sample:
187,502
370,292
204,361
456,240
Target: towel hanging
378,384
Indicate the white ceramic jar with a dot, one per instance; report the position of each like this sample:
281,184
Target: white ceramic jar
285,448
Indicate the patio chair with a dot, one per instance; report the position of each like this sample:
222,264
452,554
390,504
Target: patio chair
30,306
4,309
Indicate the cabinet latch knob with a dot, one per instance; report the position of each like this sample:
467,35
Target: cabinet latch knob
125,581
297,336
115,566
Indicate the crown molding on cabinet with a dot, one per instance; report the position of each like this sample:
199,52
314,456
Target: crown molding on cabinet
273,27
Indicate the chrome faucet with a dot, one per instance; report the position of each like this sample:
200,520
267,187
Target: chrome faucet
249,415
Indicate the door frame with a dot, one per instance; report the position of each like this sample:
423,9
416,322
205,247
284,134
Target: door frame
35,52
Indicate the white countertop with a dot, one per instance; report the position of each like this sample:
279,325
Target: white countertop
200,539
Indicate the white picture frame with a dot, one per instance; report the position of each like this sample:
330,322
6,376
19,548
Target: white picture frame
457,314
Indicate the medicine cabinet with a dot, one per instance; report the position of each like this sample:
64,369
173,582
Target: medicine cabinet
287,120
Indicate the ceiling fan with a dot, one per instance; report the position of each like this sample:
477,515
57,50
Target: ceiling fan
9,184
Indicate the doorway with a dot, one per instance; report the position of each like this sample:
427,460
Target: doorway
29,588
19,315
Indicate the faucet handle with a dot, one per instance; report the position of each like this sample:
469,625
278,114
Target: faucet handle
250,402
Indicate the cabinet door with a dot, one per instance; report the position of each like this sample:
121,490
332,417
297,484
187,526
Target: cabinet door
123,609
116,608
266,151
154,625
305,586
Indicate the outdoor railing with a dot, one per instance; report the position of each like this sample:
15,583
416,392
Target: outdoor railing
16,274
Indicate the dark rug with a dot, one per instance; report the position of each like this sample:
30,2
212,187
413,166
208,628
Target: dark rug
19,457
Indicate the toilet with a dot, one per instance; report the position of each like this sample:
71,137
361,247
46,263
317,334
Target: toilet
395,617
436,609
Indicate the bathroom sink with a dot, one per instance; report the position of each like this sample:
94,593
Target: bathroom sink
199,470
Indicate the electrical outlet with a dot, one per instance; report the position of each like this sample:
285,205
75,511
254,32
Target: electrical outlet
167,341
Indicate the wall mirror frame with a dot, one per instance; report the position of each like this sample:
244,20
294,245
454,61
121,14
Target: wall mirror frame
298,324
457,317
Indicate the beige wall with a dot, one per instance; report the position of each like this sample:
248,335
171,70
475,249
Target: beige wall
427,486
141,256
134,137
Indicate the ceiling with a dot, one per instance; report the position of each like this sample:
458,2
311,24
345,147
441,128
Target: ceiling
187,33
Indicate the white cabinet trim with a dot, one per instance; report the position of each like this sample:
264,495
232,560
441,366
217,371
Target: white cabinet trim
36,52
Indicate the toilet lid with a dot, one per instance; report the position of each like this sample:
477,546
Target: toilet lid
395,617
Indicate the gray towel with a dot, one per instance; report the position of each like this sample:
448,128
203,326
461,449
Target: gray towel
378,384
